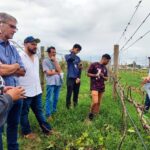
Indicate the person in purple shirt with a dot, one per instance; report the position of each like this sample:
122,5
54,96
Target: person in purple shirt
11,67
74,67
98,75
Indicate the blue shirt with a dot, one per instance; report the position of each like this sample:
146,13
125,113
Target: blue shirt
72,66
9,55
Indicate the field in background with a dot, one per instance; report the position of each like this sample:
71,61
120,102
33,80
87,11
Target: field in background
103,133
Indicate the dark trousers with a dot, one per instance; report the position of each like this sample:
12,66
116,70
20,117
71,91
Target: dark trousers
147,102
36,105
72,87
12,126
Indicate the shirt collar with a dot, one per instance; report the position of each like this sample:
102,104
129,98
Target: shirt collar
4,42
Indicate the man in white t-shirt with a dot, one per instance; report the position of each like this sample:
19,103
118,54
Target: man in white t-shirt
31,83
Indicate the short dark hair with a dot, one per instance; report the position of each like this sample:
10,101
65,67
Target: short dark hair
49,49
107,56
77,46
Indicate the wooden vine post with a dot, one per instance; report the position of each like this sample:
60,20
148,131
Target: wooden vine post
41,70
115,69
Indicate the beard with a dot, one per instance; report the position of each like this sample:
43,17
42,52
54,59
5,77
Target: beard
32,51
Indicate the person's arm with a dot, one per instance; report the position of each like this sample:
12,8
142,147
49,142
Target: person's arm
6,69
20,72
47,70
5,104
56,64
145,80
90,71
92,75
50,72
105,75
70,57
6,100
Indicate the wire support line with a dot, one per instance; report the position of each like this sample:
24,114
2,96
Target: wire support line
133,123
129,23
141,37
137,131
135,32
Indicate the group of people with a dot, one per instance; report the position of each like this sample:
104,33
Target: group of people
20,88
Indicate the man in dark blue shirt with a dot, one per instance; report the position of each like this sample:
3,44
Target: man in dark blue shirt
74,67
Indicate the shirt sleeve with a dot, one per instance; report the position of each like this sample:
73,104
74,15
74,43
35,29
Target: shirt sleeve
19,60
45,65
5,105
70,57
106,73
91,68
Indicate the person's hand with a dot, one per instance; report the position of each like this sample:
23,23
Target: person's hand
53,71
53,58
102,75
6,88
146,79
16,66
80,65
71,50
16,93
77,81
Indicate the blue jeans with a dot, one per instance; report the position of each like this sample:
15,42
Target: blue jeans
12,126
36,105
147,102
52,94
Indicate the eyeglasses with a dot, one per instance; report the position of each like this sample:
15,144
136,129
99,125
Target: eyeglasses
12,26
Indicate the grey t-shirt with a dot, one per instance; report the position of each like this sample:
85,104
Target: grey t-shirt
53,79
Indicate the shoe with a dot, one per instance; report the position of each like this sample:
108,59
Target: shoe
91,116
75,104
30,136
52,132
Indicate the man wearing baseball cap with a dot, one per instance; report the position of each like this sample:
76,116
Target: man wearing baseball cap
31,83
31,39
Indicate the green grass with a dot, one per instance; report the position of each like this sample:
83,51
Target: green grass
75,133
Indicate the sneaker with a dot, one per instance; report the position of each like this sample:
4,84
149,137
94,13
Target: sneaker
30,136
91,116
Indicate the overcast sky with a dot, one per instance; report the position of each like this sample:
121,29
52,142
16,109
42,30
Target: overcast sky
95,24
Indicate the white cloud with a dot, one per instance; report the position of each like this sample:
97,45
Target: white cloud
96,25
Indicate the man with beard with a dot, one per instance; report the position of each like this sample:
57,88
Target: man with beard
31,83
11,67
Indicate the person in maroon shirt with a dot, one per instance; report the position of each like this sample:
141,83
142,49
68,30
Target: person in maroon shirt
98,75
